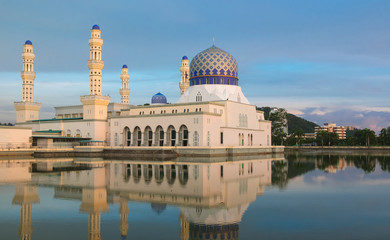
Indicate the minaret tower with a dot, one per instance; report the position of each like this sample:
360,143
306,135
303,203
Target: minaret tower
125,91
95,63
185,75
94,104
27,109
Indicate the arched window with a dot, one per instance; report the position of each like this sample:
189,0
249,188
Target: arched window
78,133
126,136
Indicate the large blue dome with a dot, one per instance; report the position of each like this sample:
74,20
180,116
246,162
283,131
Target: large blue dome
213,66
96,27
159,98
28,42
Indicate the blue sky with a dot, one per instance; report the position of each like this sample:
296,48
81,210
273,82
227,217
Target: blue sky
314,58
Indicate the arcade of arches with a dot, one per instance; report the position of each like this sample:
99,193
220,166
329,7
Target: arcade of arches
158,137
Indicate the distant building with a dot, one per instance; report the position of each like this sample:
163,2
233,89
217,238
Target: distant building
309,135
332,127
350,127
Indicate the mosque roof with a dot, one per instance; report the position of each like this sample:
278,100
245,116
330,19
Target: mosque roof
215,62
185,57
28,42
159,98
96,27
124,66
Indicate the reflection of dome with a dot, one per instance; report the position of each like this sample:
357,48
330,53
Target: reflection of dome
95,27
28,42
201,231
185,57
158,207
213,66
124,66
159,98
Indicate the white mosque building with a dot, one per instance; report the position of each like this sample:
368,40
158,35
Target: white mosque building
212,109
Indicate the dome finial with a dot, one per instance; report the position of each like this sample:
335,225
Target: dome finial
213,41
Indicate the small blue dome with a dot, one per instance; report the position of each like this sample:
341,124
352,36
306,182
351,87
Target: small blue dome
124,66
28,42
95,27
185,57
159,98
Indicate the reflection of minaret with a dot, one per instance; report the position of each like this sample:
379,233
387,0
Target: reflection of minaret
184,227
25,196
94,201
124,213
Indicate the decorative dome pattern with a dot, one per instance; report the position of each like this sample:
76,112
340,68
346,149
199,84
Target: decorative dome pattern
96,27
28,42
213,61
124,66
159,98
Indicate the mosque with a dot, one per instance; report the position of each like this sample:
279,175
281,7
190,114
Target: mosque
212,109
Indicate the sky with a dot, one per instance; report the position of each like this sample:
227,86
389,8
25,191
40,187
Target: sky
326,61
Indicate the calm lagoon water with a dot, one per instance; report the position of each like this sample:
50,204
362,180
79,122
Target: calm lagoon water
300,196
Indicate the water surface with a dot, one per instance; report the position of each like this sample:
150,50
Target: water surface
300,196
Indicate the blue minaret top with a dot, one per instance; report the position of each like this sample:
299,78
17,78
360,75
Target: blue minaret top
95,27
28,42
124,66
185,57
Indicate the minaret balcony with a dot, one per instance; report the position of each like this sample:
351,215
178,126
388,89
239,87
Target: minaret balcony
95,64
28,55
27,75
96,42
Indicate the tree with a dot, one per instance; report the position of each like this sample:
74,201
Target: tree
325,138
278,117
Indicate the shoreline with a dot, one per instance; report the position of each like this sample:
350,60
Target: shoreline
157,153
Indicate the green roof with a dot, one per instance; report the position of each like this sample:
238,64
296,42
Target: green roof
56,119
50,131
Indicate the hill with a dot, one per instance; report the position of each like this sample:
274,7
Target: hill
294,122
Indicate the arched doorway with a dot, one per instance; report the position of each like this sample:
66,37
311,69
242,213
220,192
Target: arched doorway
171,136
126,137
137,136
183,135
159,136
148,136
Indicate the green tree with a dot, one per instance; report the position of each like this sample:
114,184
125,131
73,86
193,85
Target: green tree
325,138
278,117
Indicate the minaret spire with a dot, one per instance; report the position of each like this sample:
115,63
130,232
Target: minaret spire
185,75
95,63
27,109
125,91
213,41
28,74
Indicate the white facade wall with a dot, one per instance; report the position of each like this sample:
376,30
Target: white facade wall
15,137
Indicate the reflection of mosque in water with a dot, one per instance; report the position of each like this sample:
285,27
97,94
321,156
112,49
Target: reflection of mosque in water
212,197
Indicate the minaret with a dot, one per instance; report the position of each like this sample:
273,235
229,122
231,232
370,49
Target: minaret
95,63
185,75
27,109
94,104
125,91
